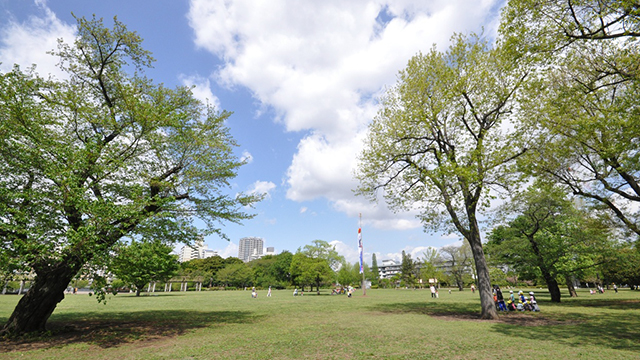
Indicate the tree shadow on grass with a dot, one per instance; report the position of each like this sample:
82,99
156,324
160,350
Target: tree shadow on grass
614,331
613,304
114,329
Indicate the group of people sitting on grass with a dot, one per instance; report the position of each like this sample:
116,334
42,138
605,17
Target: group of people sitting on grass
522,303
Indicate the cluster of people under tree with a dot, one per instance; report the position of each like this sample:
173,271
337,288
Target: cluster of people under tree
523,303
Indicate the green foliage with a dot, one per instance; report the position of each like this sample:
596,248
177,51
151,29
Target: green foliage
582,101
236,274
320,249
375,272
140,263
440,142
549,238
431,266
104,154
457,262
623,267
306,270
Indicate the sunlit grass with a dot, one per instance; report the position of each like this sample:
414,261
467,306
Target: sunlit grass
386,324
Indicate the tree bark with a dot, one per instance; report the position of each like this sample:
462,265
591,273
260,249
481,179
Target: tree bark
572,290
484,281
552,283
36,306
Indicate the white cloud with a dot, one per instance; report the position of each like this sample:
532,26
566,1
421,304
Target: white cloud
350,253
416,253
319,66
201,89
303,210
230,250
262,188
247,157
27,43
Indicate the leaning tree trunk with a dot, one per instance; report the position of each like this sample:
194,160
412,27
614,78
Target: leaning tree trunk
34,308
552,283
484,282
572,290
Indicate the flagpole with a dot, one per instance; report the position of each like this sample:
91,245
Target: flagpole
364,285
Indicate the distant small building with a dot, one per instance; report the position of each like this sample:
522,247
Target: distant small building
196,251
389,268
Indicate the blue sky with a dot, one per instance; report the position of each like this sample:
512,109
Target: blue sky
302,79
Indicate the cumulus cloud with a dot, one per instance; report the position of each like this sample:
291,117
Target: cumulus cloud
321,65
246,157
230,251
416,252
201,89
262,188
350,252
27,43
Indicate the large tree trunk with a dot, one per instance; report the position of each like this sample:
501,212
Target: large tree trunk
34,308
484,282
552,285
572,290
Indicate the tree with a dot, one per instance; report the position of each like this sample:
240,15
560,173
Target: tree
348,274
375,272
102,155
236,274
431,264
437,143
457,261
321,249
142,262
584,98
549,237
624,269
306,270
207,268
407,269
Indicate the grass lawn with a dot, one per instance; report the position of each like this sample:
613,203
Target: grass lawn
386,324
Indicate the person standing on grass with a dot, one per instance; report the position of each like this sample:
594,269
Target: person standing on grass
269,292
615,288
433,291
500,299
295,292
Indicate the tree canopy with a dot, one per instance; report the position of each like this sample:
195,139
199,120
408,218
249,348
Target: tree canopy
142,262
102,154
437,143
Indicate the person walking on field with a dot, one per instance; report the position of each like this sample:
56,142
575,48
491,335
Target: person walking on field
269,292
433,291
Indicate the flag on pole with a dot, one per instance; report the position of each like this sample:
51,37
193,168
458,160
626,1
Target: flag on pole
360,249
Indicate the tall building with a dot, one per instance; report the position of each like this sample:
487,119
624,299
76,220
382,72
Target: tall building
250,248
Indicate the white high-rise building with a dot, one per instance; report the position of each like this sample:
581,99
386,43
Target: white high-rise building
198,251
250,248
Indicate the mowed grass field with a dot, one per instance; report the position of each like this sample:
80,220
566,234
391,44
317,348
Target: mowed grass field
386,324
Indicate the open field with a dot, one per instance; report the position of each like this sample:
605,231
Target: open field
386,324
